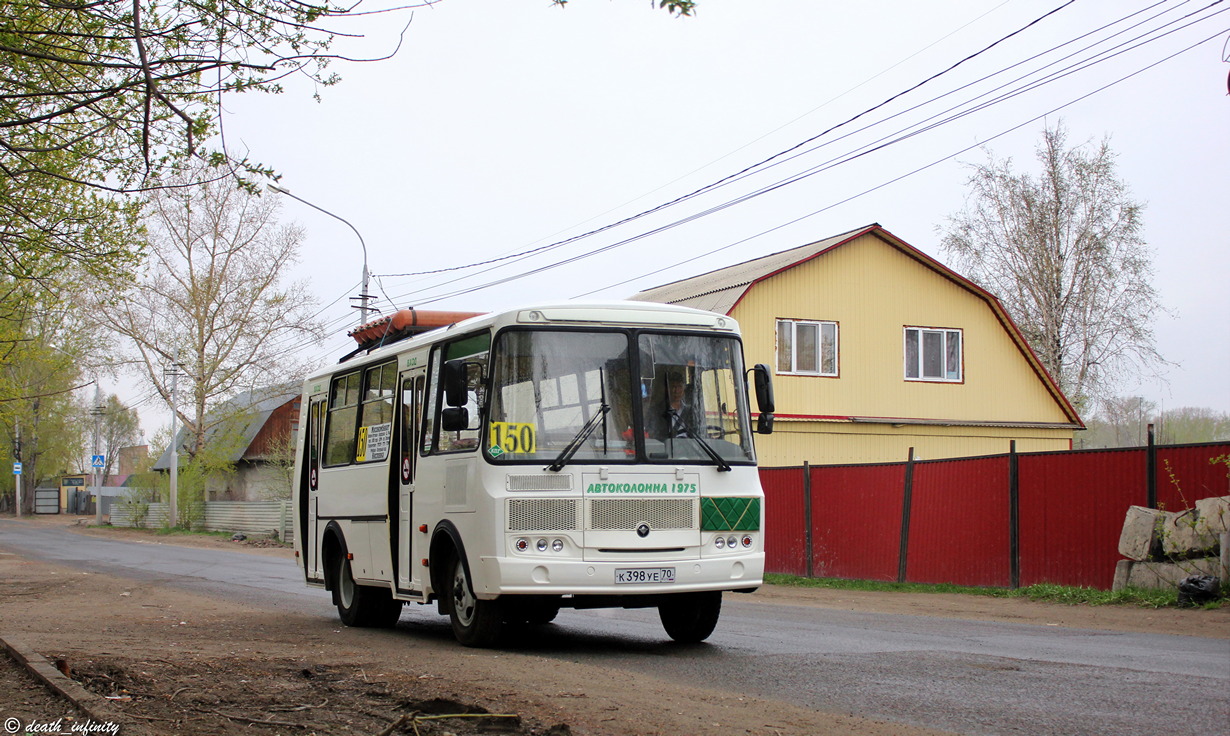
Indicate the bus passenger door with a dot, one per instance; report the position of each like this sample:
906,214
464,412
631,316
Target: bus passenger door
309,489
408,538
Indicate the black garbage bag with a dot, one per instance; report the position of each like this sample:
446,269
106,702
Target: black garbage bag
1197,589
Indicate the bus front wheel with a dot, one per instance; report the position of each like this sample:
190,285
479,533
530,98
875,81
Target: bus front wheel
476,622
362,605
691,617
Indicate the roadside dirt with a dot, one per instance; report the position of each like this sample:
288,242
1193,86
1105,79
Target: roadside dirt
179,663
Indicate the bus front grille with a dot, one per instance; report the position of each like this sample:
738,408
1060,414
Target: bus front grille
617,514
539,482
542,514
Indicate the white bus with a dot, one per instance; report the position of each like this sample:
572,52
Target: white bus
507,465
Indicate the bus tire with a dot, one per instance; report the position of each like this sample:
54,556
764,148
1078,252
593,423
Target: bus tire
363,606
476,622
691,617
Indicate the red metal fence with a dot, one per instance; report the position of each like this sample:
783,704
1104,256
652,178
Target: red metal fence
1002,520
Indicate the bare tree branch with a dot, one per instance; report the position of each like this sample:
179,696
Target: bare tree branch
1064,253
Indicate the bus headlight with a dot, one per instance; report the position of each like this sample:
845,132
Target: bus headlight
557,545
731,542
541,545
719,542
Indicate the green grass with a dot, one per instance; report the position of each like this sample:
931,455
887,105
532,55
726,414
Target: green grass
180,531
174,531
1045,592
163,531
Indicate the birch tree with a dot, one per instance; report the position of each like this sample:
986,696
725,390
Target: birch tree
1062,250
214,300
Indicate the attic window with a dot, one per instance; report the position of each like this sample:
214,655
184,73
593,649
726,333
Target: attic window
933,354
806,348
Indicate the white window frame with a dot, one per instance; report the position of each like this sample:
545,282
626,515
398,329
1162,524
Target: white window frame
820,326
952,370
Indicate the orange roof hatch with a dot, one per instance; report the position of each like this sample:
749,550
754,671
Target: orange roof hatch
404,323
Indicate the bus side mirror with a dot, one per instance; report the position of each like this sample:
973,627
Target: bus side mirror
762,379
456,387
455,419
764,388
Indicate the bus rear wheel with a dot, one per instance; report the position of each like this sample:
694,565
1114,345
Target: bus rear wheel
363,606
691,617
476,622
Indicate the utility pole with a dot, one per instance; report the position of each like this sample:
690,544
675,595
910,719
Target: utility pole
97,413
173,372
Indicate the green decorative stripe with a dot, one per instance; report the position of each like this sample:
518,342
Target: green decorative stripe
729,514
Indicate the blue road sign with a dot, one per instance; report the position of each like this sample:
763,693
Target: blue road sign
98,461
16,468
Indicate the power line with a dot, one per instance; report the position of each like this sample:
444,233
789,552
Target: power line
952,113
903,176
868,148
747,169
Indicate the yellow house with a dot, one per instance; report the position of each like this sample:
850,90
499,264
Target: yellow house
877,348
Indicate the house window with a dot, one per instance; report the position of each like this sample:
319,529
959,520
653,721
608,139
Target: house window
807,348
932,354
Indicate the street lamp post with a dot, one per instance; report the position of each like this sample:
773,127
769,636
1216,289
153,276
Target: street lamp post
363,295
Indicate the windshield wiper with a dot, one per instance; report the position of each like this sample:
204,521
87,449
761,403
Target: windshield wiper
579,440
708,448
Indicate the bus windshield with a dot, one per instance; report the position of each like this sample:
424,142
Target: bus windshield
647,397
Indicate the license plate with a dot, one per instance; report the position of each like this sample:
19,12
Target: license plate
636,575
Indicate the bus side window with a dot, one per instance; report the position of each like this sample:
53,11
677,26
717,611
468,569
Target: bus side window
411,416
343,418
474,351
316,420
432,408
376,419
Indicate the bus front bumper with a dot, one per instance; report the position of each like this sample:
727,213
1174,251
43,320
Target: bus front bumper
516,576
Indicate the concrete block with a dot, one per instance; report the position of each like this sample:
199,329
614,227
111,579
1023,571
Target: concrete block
1141,535
1168,574
1213,515
1123,573
1181,540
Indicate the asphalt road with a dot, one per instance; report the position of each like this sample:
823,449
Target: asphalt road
970,677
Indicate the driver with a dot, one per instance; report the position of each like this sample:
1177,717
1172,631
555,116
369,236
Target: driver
674,416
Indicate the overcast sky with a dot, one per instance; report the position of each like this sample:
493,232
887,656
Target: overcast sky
506,125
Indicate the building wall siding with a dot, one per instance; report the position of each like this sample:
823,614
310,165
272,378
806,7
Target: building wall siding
277,432
873,290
